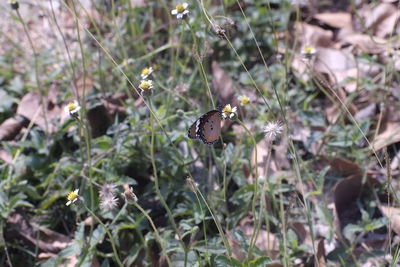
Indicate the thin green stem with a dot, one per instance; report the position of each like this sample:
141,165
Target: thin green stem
107,232
155,231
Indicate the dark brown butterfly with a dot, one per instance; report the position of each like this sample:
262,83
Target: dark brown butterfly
207,128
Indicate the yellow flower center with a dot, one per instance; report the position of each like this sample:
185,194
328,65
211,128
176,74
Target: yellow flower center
71,106
71,196
145,85
227,109
146,71
308,49
180,8
244,100
125,63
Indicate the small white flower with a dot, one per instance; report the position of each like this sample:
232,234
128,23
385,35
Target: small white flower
229,112
146,72
273,129
180,10
146,85
243,100
73,108
72,197
308,51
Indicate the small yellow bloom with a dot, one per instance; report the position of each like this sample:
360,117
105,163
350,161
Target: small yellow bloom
308,51
180,10
146,85
125,63
146,72
228,111
244,100
72,197
73,108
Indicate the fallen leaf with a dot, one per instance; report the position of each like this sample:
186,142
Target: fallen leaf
6,156
364,43
312,35
266,242
223,85
321,253
83,85
99,120
394,217
345,194
262,160
30,107
375,20
345,167
389,136
336,20
329,60
11,127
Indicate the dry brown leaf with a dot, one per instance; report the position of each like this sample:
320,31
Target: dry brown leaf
302,233
30,107
378,15
345,167
389,136
99,120
49,241
114,104
138,3
312,35
394,217
329,60
261,161
84,85
337,20
6,157
223,85
11,127
321,253
346,193
342,75
266,242
364,43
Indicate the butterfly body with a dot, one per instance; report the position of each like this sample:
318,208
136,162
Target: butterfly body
207,128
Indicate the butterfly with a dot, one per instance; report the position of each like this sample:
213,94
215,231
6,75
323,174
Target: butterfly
207,128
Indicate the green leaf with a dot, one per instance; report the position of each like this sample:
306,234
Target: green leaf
260,262
223,261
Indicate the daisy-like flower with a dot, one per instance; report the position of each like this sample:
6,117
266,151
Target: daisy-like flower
146,85
73,108
273,129
180,10
308,51
72,197
109,203
228,112
146,72
244,100
130,195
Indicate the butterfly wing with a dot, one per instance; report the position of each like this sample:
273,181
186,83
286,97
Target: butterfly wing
193,129
209,128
